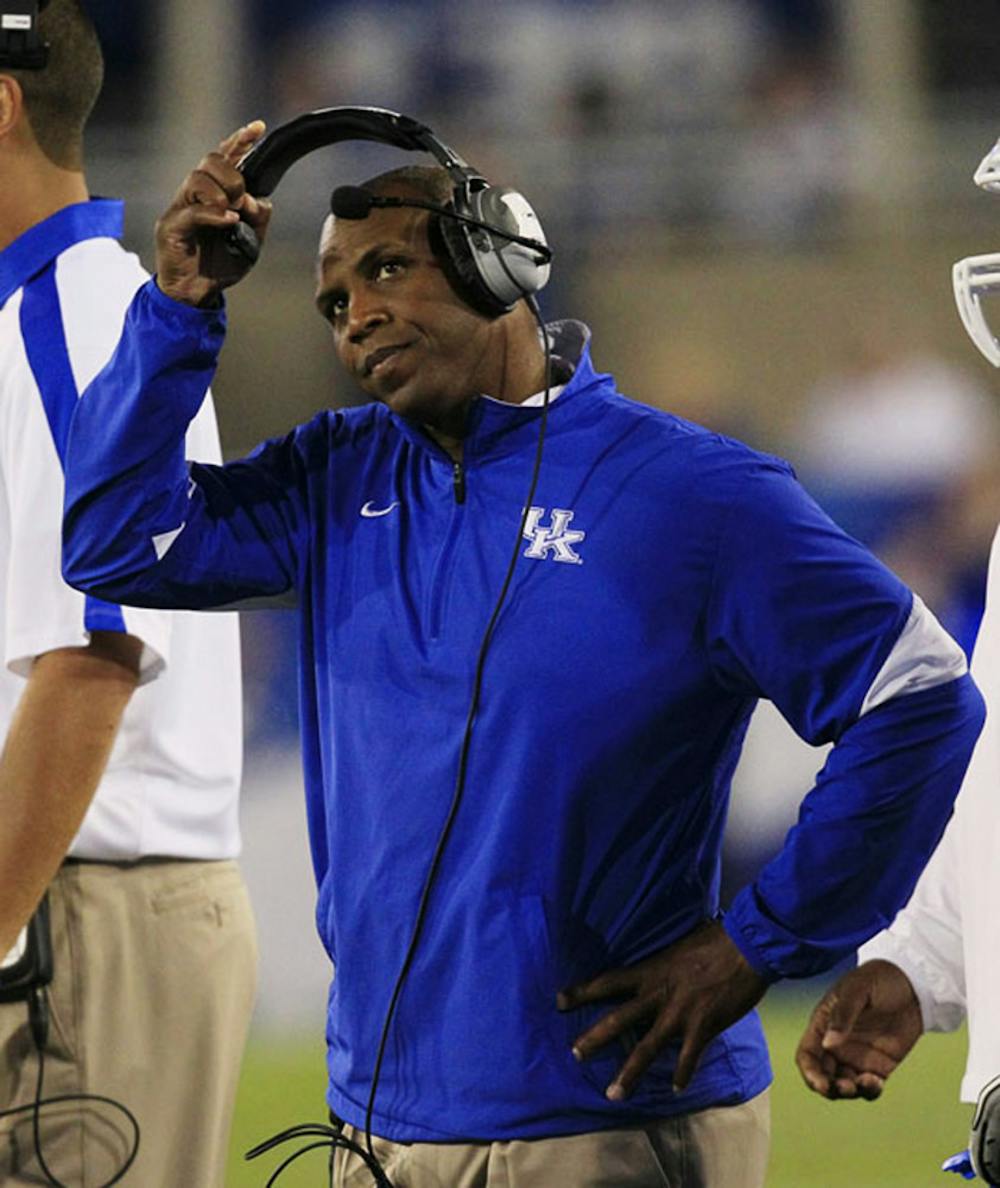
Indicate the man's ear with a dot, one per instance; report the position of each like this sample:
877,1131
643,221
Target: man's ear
11,104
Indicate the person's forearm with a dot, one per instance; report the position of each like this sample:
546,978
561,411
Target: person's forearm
54,756
865,832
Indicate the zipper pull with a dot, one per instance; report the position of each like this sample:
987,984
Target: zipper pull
458,478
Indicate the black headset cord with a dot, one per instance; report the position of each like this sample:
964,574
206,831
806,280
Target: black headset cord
38,1014
332,1137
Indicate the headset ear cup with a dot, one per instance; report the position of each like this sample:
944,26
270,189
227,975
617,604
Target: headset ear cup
450,242
509,269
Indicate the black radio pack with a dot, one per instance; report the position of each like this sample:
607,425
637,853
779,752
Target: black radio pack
28,965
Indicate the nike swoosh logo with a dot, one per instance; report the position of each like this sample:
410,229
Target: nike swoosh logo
370,512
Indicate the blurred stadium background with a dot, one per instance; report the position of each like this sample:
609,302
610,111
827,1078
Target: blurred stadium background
756,204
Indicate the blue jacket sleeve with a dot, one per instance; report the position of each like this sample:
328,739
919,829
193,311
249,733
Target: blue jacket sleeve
805,616
141,525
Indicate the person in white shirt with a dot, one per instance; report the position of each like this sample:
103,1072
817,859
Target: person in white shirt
938,962
121,763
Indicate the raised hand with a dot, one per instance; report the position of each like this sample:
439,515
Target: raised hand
860,1031
691,990
193,263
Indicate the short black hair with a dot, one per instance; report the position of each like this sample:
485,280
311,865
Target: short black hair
58,99
430,182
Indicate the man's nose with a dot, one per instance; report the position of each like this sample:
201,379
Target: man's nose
364,314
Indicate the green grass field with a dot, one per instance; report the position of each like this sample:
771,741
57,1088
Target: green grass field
898,1142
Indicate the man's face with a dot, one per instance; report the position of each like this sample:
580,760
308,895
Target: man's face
398,327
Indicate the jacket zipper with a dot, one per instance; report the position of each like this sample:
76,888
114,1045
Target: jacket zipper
441,581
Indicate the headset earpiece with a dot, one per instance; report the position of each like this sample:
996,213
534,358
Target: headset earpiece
494,272
21,46
507,269
462,267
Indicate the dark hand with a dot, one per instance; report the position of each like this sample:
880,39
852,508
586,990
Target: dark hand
691,990
193,263
860,1031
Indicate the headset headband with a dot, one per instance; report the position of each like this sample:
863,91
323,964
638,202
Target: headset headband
268,162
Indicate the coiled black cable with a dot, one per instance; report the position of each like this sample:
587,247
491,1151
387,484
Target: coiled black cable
38,1014
329,1136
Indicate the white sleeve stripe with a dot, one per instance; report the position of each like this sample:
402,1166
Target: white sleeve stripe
163,541
924,656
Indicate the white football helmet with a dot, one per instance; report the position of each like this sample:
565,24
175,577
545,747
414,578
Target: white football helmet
978,276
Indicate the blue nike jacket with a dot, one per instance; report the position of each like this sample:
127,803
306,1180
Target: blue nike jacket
668,579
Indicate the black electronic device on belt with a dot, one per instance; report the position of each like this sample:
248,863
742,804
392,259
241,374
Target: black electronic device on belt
25,974
28,965
21,45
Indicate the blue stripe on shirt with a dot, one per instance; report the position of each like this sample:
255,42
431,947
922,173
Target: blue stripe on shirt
44,338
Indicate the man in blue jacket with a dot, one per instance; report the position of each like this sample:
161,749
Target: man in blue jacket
518,769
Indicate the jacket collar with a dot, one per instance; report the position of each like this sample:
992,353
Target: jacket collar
496,427
100,218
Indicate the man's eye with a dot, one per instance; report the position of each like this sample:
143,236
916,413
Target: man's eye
389,268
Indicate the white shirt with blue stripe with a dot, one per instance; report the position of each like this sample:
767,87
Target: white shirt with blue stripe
172,782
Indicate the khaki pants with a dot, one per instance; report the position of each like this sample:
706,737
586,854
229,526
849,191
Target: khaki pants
155,974
718,1148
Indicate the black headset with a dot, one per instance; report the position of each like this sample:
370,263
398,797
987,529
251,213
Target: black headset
21,47
490,235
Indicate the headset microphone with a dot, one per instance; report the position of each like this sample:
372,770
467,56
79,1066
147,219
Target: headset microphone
354,202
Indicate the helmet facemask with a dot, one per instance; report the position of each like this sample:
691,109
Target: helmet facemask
977,277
